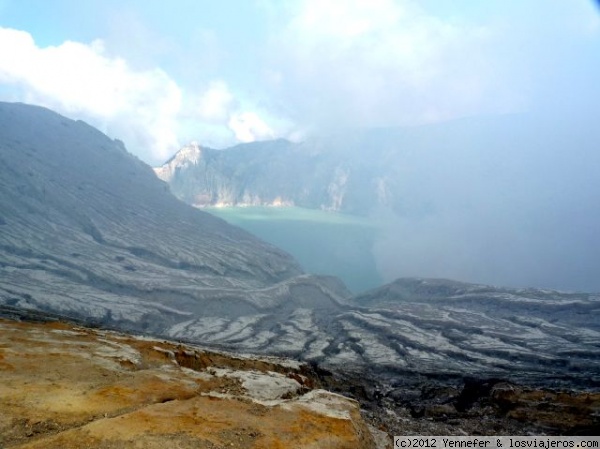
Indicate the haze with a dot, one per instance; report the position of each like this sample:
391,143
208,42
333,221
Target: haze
158,75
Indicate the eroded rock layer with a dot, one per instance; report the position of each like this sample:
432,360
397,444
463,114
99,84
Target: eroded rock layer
65,386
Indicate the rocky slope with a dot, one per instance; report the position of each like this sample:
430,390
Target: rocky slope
87,230
65,386
509,330
436,329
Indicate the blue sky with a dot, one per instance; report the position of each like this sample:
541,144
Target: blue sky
157,74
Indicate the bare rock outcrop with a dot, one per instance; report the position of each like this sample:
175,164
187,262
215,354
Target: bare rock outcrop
65,386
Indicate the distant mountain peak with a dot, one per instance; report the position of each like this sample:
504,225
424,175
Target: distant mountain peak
188,155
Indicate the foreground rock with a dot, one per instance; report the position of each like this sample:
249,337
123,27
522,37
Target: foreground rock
63,386
473,406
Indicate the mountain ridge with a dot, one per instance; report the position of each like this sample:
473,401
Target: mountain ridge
66,220
331,172
89,233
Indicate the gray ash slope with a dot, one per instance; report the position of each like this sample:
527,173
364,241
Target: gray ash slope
532,335
87,231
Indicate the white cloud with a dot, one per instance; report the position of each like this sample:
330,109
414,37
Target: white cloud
249,127
384,62
146,109
216,102
140,107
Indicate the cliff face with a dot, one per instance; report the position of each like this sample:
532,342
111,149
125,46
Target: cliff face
276,173
408,171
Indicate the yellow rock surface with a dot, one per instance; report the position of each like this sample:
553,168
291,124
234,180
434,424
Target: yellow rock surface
63,386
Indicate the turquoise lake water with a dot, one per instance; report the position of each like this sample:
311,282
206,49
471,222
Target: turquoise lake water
323,242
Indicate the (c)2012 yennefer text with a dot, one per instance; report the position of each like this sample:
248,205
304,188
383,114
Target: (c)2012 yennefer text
489,442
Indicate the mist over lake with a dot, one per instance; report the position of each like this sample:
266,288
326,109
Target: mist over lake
323,242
